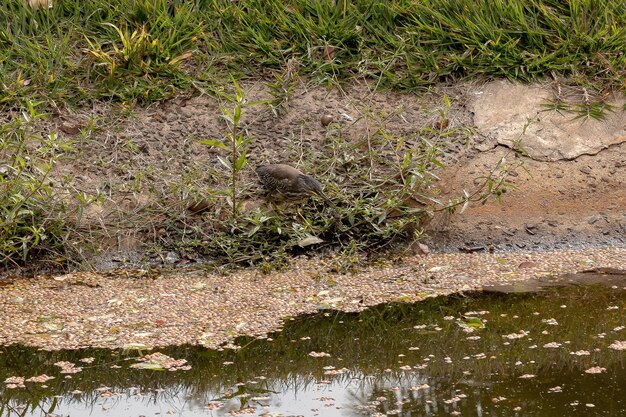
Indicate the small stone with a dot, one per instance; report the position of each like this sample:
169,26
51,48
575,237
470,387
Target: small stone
593,219
585,170
327,119
530,228
171,257
70,128
420,248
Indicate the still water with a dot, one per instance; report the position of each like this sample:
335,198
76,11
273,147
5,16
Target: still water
556,352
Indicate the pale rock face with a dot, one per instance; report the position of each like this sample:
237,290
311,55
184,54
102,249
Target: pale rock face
505,112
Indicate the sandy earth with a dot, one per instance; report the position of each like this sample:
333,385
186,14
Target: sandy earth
562,204
562,216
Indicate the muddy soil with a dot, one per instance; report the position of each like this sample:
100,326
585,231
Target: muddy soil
154,157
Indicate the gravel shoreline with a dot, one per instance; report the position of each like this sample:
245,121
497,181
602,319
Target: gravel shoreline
113,310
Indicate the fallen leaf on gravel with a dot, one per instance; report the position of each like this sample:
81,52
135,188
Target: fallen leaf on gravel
52,326
135,346
158,361
50,323
437,268
148,365
198,286
331,301
105,340
308,241
319,354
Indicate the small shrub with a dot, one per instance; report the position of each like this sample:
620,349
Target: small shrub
34,212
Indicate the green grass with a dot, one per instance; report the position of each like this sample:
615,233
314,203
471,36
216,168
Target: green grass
146,50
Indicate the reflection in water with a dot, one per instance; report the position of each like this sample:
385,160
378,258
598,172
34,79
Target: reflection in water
524,354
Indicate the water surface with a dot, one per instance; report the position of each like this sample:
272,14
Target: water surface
551,353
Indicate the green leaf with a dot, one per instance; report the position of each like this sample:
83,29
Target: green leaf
241,161
228,116
256,103
225,162
214,143
474,322
224,95
237,115
240,95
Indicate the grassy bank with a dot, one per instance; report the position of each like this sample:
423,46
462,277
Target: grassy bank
146,50
128,52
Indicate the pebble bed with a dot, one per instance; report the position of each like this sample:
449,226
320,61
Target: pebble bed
123,308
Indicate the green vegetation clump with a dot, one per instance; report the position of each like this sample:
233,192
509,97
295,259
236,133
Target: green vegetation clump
146,50
383,186
37,212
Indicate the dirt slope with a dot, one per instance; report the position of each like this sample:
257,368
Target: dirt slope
154,158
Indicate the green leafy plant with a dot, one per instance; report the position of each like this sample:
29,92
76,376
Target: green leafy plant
235,142
25,187
37,212
282,88
384,187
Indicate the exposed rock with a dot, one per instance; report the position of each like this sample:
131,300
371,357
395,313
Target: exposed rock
503,109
